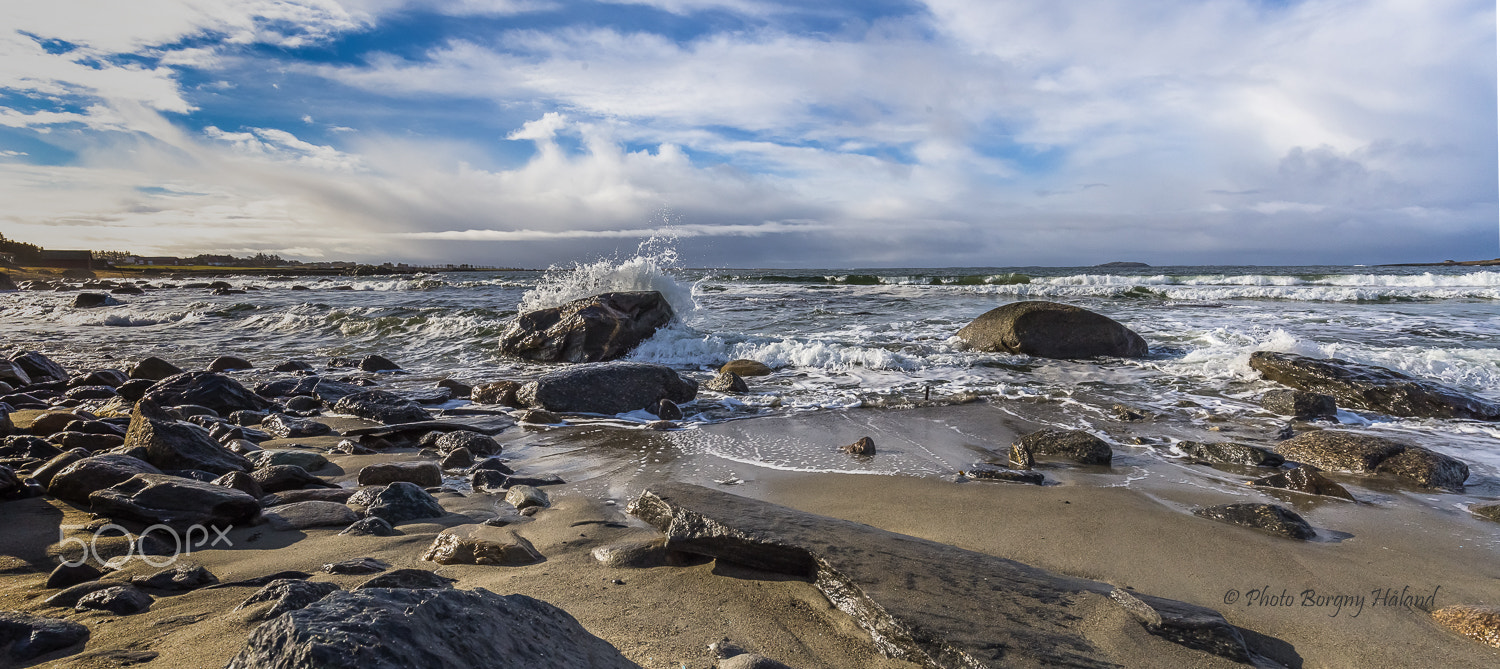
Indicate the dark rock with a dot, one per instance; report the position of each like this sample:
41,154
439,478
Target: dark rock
746,368
458,458
1234,454
727,382
11,486
309,460
92,443
100,377
356,567
97,427
282,426
538,417
498,392
535,481
296,386
70,596
408,579
402,501
1304,479
1372,388
25,637
1075,445
1277,520
174,501
424,474
178,579
454,629
69,575
1299,404
1487,511
457,389
304,404
592,329
1337,450
474,442
476,544
1051,330
262,581
244,418
154,369
918,598
286,595
194,474
523,496
292,366
428,395
215,391
45,473
227,363
980,471
77,481
40,368
492,464
331,392
607,388
93,300
172,445
121,600
219,285
863,446
134,389
1190,625
667,410
381,406
376,363
1126,414
309,514
51,423
22,446
370,527
348,447
277,478
12,374
340,495
488,481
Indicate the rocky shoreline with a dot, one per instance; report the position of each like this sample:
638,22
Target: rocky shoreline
338,500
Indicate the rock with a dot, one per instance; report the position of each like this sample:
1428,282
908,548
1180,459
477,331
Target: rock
980,471
277,478
349,447
381,406
304,515
1075,445
408,579
90,393
292,366
1487,511
376,363
607,388
1277,520
92,443
1126,414
1051,330
917,597
1190,625
662,425
1233,454
457,389
288,456
304,404
751,661
178,579
1299,404
331,391
634,554
51,422
864,446
356,567
69,597
727,382
1480,623
480,544
12,374
69,575
25,637
208,389
93,300
458,458
11,486
1338,450
45,473
453,629
474,442
522,496
488,481
1371,388
244,418
100,377
593,329
134,389
282,426
667,410
538,417
402,501
172,445
174,501
339,495
226,363
121,600
286,595
745,368
1304,479
77,481
424,474
498,392
370,527
154,369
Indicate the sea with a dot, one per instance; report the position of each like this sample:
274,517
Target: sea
854,340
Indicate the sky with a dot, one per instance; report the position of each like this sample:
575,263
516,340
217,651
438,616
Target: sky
755,133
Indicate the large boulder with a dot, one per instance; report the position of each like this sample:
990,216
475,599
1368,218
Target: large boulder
379,628
592,329
154,369
173,445
1371,388
1338,450
77,481
1051,330
12,374
381,406
608,388
174,501
208,389
39,367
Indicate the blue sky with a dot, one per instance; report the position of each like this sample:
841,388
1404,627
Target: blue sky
757,133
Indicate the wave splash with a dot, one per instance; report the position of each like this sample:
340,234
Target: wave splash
649,269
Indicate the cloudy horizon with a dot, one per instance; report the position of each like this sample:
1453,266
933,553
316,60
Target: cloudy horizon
756,133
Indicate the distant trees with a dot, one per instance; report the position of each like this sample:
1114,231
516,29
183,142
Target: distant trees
26,254
112,257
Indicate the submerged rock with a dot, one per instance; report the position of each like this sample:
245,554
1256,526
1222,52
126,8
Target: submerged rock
980,471
593,329
608,388
1051,330
1338,450
1371,388
1304,479
1233,454
1277,520
1300,404
1486,511
861,446
1075,445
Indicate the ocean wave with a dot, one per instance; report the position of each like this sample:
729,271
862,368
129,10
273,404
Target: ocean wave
649,269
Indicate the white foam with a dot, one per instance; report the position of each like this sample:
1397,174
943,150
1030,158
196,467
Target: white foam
650,269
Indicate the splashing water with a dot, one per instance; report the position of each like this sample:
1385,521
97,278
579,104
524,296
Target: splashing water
649,269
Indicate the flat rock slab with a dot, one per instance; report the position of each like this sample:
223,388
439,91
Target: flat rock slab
490,425
921,601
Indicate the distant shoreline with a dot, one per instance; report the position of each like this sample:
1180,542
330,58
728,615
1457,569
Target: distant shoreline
1446,263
